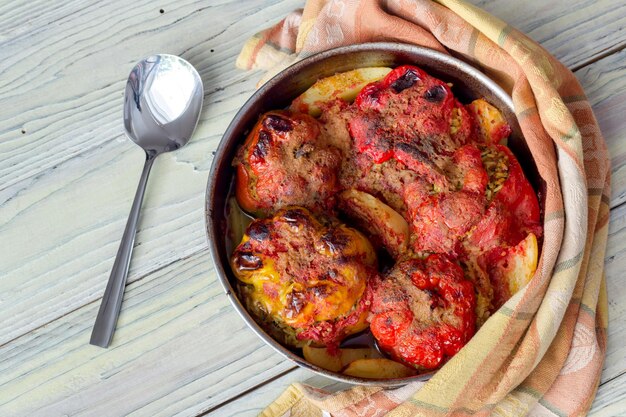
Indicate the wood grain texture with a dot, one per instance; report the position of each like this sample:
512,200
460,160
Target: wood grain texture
179,349
610,400
604,82
62,80
64,232
63,215
251,404
67,183
605,85
576,32
615,265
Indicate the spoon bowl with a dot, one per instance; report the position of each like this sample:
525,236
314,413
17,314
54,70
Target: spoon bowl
162,103
162,106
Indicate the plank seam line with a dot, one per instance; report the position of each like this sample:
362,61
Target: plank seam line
96,146
139,279
574,68
246,392
284,373
622,374
617,48
618,206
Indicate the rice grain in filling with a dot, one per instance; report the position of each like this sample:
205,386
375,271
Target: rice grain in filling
409,142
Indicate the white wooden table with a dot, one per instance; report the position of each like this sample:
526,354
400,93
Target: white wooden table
68,176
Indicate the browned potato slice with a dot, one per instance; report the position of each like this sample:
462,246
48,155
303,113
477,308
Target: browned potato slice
491,123
237,221
378,369
349,355
345,85
522,263
512,268
321,357
377,218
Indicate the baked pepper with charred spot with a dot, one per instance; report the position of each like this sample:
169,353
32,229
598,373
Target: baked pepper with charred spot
441,218
410,116
305,277
285,161
423,311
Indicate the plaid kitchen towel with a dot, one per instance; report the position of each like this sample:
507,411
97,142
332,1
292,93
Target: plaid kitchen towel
542,353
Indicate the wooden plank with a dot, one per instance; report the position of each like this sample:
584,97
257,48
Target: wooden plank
252,403
179,348
576,32
605,85
64,68
77,216
615,265
77,209
610,400
64,112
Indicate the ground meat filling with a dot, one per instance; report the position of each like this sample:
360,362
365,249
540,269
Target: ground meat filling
407,141
423,311
412,117
512,211
286,161
309,273
404,128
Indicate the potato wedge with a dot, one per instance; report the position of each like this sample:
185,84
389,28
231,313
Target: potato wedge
378,369
511,268
321,357
349,355
345,85
492,126
377,218
522,263
237,222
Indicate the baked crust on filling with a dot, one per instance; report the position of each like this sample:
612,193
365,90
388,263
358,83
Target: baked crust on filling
462,219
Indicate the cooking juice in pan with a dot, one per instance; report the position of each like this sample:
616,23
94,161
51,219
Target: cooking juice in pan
380,161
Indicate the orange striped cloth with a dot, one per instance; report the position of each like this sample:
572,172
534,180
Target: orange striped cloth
542,353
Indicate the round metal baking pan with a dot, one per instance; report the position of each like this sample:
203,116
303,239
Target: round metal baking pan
468,84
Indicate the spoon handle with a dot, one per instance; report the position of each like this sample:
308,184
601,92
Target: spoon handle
111,304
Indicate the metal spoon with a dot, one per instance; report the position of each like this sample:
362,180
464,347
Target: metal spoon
162,106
